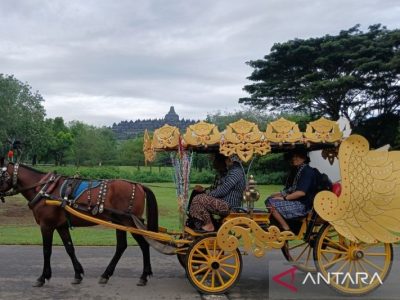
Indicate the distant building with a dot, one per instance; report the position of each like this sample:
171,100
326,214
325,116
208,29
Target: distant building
130,129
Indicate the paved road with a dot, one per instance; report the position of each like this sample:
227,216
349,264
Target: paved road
21,265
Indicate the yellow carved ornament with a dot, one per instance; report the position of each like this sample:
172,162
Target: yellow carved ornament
166,137
323,131
244,139
254,238
368,208
202,134
148,149
283,131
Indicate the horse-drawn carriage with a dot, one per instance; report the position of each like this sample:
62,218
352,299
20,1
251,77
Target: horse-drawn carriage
345,234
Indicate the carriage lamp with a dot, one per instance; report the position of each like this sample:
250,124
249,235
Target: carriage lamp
251,194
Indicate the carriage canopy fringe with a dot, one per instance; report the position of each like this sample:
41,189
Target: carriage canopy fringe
243,138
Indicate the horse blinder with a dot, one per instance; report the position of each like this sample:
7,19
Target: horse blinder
4,178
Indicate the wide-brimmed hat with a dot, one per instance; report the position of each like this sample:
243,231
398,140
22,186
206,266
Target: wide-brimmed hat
298,152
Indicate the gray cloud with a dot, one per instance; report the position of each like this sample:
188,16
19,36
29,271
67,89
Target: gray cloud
119,60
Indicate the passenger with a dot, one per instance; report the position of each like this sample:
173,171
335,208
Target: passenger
220,167
296,199
226,195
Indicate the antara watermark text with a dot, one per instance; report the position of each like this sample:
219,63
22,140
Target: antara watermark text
338,278
342,277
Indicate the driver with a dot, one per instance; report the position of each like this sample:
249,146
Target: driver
221,199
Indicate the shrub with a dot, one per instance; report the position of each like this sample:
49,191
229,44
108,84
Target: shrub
271,178
154,174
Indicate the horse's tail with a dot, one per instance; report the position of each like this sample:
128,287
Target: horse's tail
152,210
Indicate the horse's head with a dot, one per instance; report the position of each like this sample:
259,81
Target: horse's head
5,179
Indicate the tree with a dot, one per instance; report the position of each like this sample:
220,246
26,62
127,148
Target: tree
383,73
91,145
261,118
106,145
201,161
22,115
252,115
130,152
82,143
60,141
354,74
380,130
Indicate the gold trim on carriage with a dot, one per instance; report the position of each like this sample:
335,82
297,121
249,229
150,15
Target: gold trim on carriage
349,232
242,137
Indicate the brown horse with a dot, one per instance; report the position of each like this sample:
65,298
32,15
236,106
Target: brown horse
112,200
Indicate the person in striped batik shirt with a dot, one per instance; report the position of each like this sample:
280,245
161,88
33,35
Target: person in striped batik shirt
225,196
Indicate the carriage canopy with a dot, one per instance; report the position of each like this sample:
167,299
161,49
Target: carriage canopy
243,138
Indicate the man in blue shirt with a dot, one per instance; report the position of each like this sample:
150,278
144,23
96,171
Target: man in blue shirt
296,199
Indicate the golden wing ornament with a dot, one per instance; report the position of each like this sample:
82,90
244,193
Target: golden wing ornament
368,209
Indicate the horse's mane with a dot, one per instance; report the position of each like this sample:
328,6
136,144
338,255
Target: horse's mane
29,168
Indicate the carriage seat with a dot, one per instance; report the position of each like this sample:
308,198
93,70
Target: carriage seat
246,211
312,216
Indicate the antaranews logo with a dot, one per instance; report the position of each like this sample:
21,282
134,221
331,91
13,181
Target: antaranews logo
338,278
291,272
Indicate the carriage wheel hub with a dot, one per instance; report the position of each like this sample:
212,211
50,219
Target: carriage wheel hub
357,254
215,265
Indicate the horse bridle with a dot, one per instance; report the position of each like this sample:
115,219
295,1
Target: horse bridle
5,178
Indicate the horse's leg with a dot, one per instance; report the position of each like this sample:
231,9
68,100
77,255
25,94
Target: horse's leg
120,249
65,236
47,237
144,246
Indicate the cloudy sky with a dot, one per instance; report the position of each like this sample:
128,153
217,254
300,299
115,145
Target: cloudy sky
103,61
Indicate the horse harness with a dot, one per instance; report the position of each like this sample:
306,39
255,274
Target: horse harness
48,183
99,207
5,177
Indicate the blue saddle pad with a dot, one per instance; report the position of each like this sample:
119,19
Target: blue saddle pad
83,186
78,186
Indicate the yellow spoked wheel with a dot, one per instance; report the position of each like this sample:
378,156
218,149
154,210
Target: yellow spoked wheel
210,269
300,253
351,268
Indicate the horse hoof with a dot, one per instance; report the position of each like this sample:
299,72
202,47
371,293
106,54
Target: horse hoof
76,281
103,280
38,284
142,282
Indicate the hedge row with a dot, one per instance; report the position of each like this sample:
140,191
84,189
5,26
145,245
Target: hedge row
150,175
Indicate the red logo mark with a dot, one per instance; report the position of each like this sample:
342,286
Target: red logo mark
291,272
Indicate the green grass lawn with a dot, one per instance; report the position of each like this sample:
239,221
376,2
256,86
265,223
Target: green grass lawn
23,231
